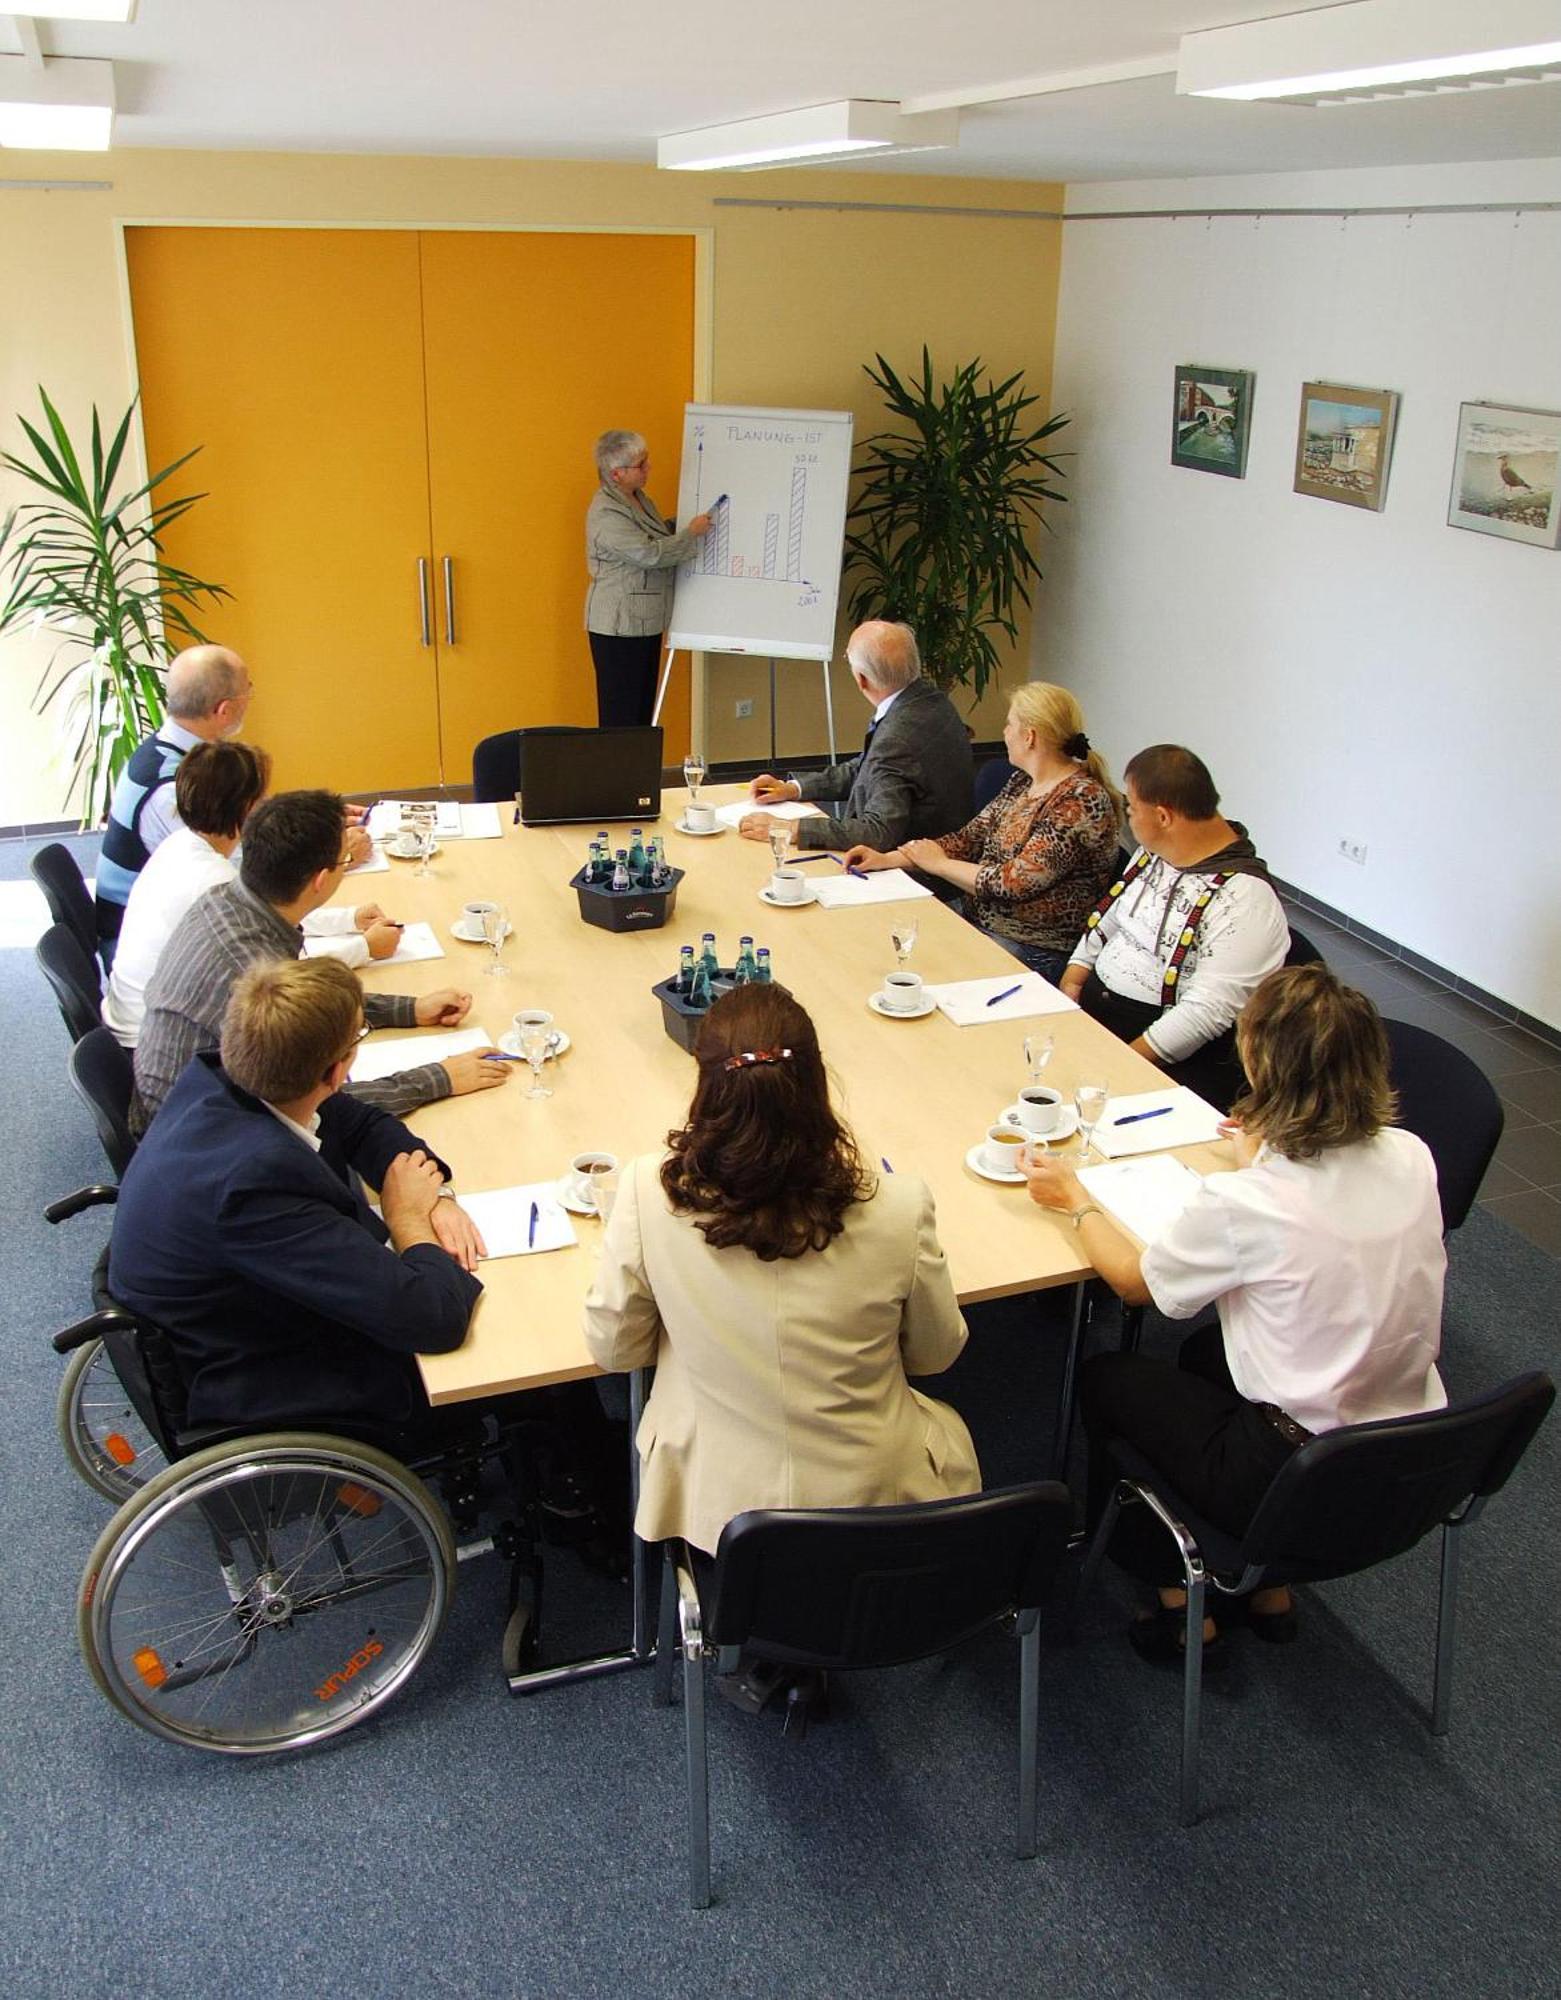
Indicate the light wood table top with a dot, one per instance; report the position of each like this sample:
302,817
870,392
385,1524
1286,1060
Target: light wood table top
919,1093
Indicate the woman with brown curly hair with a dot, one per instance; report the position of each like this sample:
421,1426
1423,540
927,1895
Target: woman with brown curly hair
1322,1257
782,1291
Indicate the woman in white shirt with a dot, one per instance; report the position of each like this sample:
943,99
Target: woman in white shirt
1322,1256
217,787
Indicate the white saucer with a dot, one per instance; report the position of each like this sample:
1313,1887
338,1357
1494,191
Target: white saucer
458,929
976,1165
1067,1123
698,832
928,1006
396,855
509,1043
796,902
567,1198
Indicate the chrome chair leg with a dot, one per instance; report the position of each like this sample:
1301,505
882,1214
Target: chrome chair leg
666,1635
1029,1703
1192,1693
1446,1631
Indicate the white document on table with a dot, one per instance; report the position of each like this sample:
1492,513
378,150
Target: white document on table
1145,1196
740,808
1182,1118
480,822
385,817
968,1003
376,1059
851,892
378,863
503,1215
417,941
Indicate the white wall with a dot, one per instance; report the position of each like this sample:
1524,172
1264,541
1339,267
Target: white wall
1377,677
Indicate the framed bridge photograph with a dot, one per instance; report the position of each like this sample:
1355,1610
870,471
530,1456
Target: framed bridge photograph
1212,420
1504,474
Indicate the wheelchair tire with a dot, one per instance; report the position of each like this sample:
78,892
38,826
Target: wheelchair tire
105,1440
266,1594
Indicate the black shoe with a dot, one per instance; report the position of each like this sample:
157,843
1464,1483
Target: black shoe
1160,1637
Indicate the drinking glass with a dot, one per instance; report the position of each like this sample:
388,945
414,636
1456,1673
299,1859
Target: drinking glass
1037,1054
904,934
1090,1098
601,1191
780,842
693,773
536,1045
495,929
425,845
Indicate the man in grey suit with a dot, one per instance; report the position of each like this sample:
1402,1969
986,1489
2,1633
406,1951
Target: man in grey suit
915,771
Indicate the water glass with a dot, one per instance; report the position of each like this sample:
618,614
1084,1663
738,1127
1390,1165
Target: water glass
536,1045
693,773
1037,1054
1090,1098
780,842
495,929
904,935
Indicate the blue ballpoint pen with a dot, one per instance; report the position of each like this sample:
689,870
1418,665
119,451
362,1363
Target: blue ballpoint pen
531,1233
885,1164
1007,993
1137,1117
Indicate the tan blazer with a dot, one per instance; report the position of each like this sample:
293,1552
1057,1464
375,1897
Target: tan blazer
633,557
781,1385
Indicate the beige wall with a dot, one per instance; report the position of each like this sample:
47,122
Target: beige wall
799,299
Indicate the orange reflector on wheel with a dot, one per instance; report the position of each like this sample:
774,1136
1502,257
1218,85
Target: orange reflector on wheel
149,1666
119,1449
358,1498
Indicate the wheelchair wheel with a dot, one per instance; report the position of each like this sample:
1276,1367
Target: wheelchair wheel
105,1440
267,1593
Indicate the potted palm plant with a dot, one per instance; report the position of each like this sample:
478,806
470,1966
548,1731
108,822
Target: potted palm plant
938,536
89,565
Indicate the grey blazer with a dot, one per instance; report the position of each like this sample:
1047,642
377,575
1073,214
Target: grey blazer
914,778
632,554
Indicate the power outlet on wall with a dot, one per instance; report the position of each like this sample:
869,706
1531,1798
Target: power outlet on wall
745,714
1354,850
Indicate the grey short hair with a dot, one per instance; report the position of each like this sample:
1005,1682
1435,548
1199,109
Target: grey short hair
201,678
884,654
616,449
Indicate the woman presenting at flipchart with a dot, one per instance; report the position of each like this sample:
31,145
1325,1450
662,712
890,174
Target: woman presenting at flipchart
632,554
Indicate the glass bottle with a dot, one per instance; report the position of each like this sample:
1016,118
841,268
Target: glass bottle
707,956
762,974
685,973
639,866
700,996
620,873
747,967
659,871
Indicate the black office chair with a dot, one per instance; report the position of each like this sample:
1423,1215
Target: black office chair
104,1076
74,977
65,891
854,1587
1345,1502
1302,951
991,778
1445,1098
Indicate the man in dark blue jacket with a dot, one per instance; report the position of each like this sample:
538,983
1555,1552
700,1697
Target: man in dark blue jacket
242,1228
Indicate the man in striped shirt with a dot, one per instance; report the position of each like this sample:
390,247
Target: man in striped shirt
293,860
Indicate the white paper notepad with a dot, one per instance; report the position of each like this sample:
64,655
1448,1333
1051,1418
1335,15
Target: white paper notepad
839,891
417,941
739,810
1145,1196
1182,1119
503,1216
376,1059
385,817
377,864
480,822
965,1001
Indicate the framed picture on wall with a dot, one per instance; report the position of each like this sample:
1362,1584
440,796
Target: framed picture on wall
1212,420
1344,443
1504,474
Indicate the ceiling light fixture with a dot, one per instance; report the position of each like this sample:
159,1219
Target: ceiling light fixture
1375,48
850,129
64,106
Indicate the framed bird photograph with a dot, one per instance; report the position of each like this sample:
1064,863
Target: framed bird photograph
1504,474
1344,444
1212,420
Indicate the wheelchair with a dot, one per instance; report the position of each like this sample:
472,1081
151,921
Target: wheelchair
264,1592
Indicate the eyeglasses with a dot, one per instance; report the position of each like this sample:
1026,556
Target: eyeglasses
352,1047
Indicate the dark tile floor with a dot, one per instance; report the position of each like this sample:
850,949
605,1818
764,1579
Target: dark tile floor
1523,1185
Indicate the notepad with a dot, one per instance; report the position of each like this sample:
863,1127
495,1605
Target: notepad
503,1216
964,1001
1186,1121
739,810
480,822
1145,1196
850,892
418,941
377,864
385,817
377,1059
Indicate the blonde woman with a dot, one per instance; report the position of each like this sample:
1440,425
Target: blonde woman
1033,864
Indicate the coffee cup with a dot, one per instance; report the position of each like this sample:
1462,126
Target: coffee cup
585,1168
1038,1109
1002,1151
699,816
901,992
788,885
405,844
474,915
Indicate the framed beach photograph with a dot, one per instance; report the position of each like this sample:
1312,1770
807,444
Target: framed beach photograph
1504,474
1344,443
1212,420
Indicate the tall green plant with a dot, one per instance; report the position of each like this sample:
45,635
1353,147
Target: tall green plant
91,566
947,500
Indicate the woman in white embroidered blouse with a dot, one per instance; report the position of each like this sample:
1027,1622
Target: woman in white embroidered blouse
1322,1256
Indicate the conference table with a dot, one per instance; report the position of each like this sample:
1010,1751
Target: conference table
918,1093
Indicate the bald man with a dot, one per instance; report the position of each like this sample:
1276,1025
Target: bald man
915,772
207,695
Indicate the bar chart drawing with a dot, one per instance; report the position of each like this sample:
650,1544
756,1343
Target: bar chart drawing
766,577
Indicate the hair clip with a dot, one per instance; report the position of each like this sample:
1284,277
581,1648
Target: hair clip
748,1057
1077,745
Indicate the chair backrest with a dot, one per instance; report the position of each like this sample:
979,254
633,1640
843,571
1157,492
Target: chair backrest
877,1586
65,891
1355,1497
74,977
1302,951
105,1077
496,767
991,778
1445,1098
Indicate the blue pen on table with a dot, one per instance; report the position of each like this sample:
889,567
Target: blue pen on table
499,1055
1138,1117
885,1165
531,1233
861,876
1007,993
802,860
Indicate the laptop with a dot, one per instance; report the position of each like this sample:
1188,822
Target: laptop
569,775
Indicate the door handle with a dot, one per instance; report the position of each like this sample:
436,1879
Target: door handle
449,601
422,599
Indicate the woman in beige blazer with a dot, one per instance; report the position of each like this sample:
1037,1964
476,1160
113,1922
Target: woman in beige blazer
783,1294
632,553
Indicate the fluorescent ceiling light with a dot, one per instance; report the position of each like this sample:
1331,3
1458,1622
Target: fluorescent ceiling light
1375,48
841,131
67,106
73,10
